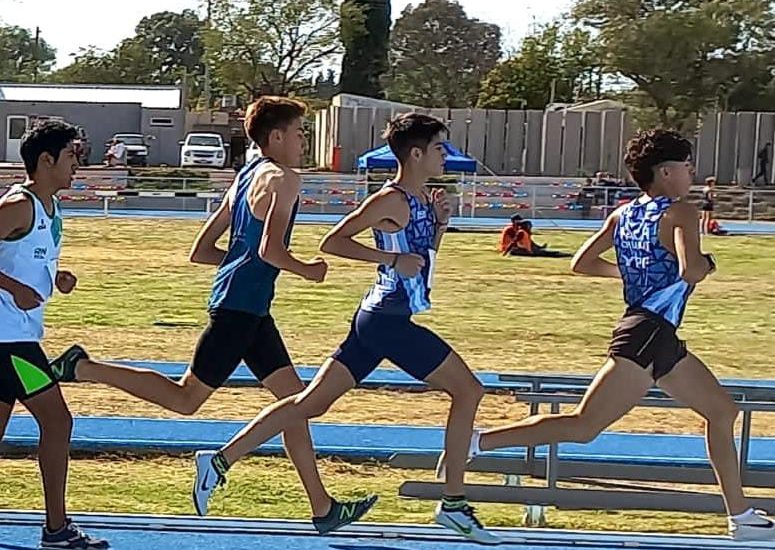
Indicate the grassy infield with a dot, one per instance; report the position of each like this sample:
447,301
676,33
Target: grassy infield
501,314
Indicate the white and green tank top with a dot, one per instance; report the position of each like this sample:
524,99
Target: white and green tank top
31,259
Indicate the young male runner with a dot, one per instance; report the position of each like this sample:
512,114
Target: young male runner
260,209
30,243
657,244
408,225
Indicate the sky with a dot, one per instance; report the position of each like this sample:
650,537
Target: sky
68,26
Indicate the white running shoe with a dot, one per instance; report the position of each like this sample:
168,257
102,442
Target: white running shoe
464,522
752,525
473,451
206,480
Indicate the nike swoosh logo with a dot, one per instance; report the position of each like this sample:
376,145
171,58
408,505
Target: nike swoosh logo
203,486
461,528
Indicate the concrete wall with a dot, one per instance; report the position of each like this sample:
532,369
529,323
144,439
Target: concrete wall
554,144
531,143
164,149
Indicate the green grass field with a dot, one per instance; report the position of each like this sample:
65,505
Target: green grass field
501,314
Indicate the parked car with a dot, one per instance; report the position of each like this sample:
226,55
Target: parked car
203,149
136,148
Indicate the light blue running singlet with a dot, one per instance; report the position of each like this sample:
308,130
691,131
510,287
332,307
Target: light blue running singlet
650,272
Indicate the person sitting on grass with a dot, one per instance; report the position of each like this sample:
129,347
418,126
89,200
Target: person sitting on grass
714,228
522,244
509,235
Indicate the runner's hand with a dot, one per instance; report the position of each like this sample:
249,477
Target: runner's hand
316,270
66,281
409,265
25,298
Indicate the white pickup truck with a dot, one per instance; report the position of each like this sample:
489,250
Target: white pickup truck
203,149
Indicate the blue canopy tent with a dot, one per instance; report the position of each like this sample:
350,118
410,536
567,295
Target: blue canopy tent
383,158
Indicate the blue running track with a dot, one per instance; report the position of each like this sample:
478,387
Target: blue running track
734,227
20,531
367,441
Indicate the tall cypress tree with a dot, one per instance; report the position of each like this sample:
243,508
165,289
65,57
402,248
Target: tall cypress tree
366,38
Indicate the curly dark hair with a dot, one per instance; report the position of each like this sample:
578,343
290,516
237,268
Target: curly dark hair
650,148
51,136
409,130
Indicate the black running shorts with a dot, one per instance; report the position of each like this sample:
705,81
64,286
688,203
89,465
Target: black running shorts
233,336
648,339
24,371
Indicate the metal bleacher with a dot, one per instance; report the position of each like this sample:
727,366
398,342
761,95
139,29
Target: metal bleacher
663,465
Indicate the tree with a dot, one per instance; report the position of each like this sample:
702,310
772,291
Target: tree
755,90
128,63
683,54
365,29
551,65
166,47
20,58
438,55
174,44
90,66
258,47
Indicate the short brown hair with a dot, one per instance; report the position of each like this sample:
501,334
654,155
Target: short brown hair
409,130
650,148
270,113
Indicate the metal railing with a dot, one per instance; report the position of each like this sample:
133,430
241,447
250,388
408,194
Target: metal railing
495,198
570,200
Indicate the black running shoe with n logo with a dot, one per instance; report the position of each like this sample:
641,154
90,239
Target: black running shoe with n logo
63,367
70,537
343,513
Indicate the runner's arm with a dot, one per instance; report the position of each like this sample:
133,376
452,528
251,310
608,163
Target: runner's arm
441,229
205,249
376,209
15,218
443,210
284,191
693,265
588,261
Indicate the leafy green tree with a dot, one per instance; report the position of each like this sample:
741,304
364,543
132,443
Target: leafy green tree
167,47
439,55
687,56
365,32
256,47
550,65
20,58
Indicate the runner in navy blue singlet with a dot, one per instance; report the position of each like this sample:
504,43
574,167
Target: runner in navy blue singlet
258,211
408,223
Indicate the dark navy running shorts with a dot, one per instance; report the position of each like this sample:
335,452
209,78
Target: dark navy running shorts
374,337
